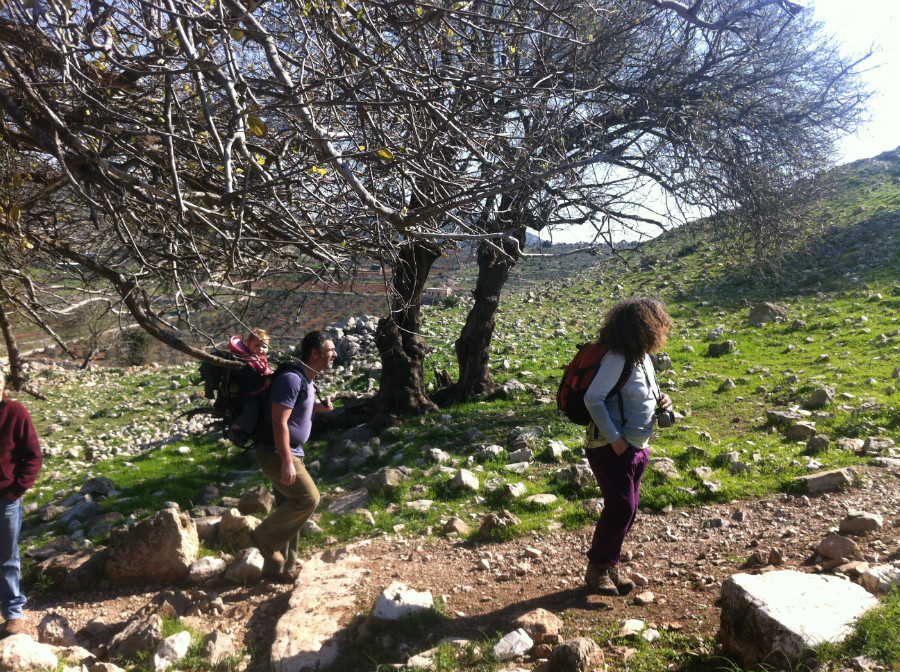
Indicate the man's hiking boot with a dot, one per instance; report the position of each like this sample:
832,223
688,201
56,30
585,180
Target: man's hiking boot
14,626
288,577
621,581
237,435
597,578
268,553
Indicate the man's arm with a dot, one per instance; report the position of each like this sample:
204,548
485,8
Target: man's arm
280,433
26,457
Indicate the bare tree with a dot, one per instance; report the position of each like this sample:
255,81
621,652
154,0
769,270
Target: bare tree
181,152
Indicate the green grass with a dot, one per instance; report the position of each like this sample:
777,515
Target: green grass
876,635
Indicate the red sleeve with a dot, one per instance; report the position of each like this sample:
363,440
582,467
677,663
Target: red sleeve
26,455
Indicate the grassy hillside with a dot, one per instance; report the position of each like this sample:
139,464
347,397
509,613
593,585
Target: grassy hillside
842,297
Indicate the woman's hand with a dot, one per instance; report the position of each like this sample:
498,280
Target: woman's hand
665,402
620,445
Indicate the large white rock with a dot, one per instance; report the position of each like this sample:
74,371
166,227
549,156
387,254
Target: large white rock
398,600
20,653
881,579
171,650
778,618
513,644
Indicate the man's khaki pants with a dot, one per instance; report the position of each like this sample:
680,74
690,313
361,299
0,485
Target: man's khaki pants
295,504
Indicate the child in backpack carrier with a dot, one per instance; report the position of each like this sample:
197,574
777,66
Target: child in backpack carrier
252,380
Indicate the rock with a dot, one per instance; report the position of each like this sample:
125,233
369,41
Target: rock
763,312
158,549
235,529
437,455
385,480
579,475
860,521
827,481
98,487
644,598
782,417
849,445
256,500
105,667
20,653
522,455
779,617
457,525
541,625
54,629
465,480
836,546
631,627
723,348
820,398
141,634
878,446
514,490
81,513
497,522
247,566
664,468
218,647
576,655
171,650
818,443
557,450
542,499
800,431
513,644
881,579
398,601
71,573
509,389
351,501
205,569
489,452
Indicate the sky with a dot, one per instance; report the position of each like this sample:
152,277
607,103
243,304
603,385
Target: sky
859,25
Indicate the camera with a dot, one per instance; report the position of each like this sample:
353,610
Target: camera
664,418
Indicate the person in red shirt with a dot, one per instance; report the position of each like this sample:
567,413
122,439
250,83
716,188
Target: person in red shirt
20,464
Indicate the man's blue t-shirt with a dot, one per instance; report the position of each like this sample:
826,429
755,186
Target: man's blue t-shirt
297,393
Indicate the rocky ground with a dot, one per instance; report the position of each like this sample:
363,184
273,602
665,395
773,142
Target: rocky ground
682,555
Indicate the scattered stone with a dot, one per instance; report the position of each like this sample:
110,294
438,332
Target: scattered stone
398,600
385,480
881,579
497,521
827,481
218,647
777,618
664,468
54,629
644,598
723,348
541,625
557,450
818,443
256,500
849,445
763,312
576,655
206,568
522,455
20,653
631,627
171,650
820,398
513,644
514,490
98,487
141,634
860,521
159,549
349,502
457,525
781,417
247,566
836,546
542,499
465,480
879,446
800,431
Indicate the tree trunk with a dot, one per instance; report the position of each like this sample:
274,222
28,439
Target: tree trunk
473,346
402,388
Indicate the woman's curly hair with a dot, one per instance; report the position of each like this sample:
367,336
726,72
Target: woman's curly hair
635,327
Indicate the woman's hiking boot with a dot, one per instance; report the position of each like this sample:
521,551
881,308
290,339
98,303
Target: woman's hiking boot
598,579
621,581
